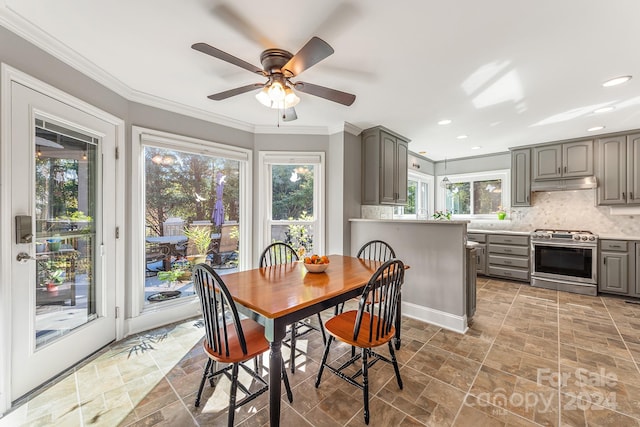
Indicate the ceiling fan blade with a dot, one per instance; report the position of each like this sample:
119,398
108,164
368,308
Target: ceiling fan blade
233,92
231,17
334,95
217,53
289,115
311,53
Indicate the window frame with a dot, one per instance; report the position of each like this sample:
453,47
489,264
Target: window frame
420,178
144,137
502,174
266,160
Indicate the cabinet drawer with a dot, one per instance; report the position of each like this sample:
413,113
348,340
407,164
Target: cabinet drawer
477,237
614,245
509,240
509,261
509,273
510,250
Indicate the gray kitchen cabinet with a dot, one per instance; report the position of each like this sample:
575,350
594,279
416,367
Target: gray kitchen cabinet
508,256
481,251
619,170
614,267
384,168
521,177
568,160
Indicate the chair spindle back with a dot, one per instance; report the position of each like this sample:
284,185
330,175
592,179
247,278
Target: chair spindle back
218,310
379,301
278,253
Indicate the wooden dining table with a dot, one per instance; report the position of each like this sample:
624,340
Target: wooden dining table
283,294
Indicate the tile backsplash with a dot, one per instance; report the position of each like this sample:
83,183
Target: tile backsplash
569,210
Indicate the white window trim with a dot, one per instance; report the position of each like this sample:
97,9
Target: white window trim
421,177
143,317
503,174
267,158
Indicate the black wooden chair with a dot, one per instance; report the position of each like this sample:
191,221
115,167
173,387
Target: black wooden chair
281,253
229,340
372,325
374,250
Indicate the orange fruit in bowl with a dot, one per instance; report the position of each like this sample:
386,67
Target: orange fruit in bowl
324,259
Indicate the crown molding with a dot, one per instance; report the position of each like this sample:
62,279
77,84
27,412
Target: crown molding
293,130
22,27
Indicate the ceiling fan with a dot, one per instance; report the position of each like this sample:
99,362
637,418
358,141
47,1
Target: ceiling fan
279,67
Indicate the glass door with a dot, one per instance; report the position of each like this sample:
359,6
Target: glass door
63,290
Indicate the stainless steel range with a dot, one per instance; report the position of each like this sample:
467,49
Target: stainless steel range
565,260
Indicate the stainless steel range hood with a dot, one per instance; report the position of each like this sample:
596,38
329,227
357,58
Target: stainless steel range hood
585,183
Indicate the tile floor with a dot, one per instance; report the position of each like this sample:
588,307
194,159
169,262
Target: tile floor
531,357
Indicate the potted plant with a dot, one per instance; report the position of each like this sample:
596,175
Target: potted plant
442,215
54,279
201,239
172,276
502,214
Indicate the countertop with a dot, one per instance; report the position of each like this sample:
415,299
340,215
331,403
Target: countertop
527,233
410,221
514,233
617,237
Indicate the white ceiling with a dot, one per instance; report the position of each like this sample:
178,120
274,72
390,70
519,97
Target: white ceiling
506,72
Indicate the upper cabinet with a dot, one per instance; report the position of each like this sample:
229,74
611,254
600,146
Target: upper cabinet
384,168
619,170
568,160
521,177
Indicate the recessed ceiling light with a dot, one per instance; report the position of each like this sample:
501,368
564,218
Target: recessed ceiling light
462,136
604,110
422,152
616,81
595,128
444,122
477,147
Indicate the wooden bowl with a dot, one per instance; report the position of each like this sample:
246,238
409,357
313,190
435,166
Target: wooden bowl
316,268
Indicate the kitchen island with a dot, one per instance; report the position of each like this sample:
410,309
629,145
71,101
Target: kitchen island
435,288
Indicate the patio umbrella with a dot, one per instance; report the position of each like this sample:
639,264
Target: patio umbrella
218,210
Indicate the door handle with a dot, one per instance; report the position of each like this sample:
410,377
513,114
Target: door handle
23,257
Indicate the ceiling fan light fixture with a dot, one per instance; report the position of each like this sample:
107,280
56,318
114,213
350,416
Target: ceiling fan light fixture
263,97
290,98
276,92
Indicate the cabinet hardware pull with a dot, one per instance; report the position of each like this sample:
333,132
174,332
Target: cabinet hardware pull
558,170
623,193
631,195
565,169
527,198
616,246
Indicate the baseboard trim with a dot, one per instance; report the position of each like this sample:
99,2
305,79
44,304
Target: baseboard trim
436,317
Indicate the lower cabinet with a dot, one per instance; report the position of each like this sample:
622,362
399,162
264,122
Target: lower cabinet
481,251
508,256
617,267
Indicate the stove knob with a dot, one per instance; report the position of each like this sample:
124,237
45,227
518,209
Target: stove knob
576,237
592,238
546,236
584,237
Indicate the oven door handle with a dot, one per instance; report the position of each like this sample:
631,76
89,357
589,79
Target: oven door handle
564,245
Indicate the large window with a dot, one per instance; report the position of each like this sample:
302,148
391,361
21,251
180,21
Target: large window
292,201
478,195
419,198
192,210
